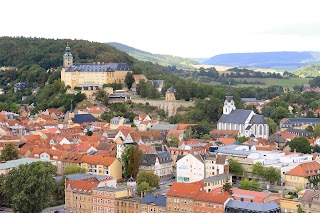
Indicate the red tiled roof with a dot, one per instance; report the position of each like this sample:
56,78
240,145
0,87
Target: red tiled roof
227,141
305,170
81,185
185,126
212,197
187,190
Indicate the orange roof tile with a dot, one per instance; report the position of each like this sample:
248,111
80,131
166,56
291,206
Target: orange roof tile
305,170
81,185
187,190
227,141
212,197
185,126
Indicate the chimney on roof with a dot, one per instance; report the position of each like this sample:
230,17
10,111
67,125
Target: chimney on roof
294,150
98,62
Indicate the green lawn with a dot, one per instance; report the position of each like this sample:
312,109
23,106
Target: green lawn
275,81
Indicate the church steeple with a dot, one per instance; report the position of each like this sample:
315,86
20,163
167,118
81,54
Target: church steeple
228,103
67,58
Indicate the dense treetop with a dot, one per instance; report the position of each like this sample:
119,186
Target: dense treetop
21,51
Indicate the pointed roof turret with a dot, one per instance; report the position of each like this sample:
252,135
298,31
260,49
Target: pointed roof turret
171,89
229,96
68,51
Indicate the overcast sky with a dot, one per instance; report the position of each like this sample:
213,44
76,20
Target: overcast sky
199,28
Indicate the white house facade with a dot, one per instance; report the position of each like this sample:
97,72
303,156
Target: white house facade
190,169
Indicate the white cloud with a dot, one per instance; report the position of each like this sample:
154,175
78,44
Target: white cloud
186,28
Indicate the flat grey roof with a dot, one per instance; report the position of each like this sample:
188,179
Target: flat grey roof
216,178
16,163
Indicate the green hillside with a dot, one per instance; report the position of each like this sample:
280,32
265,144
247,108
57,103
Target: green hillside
21,51
165,60
312,70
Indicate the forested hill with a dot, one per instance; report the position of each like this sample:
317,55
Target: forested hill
269,60
21,51
165,60
312,70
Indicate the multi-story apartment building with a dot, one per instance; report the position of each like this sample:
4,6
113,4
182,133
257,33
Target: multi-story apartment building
100,165
78,194
131,205
304,175
94,74
192,197
103,199
195,167
159,163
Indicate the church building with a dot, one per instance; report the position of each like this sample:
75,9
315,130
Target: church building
91,74
246,122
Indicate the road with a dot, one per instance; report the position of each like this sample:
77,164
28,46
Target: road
164,185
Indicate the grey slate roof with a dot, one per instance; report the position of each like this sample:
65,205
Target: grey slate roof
258,119
159,200
254,207
237,116
299,131
216,178
165,127
82,176
81,118
16,163
110,67
303,120
171,89
150,159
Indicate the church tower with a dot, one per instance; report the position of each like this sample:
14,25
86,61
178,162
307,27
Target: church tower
228,103
67,58
170,94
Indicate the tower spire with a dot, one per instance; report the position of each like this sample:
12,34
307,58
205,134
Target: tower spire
229,93
71,106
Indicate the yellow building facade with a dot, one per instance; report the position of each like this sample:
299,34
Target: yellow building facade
93,74
289,205
99,165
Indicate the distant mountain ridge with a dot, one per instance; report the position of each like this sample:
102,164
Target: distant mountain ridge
165,60
290,60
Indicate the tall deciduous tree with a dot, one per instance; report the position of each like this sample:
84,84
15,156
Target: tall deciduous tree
249,185
71,169
272,174
227,187
3,196
173,141
272,125
129,80
300,144
316,130
10,152
258,170
30,186
130,160
149,177
235,167
144,187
